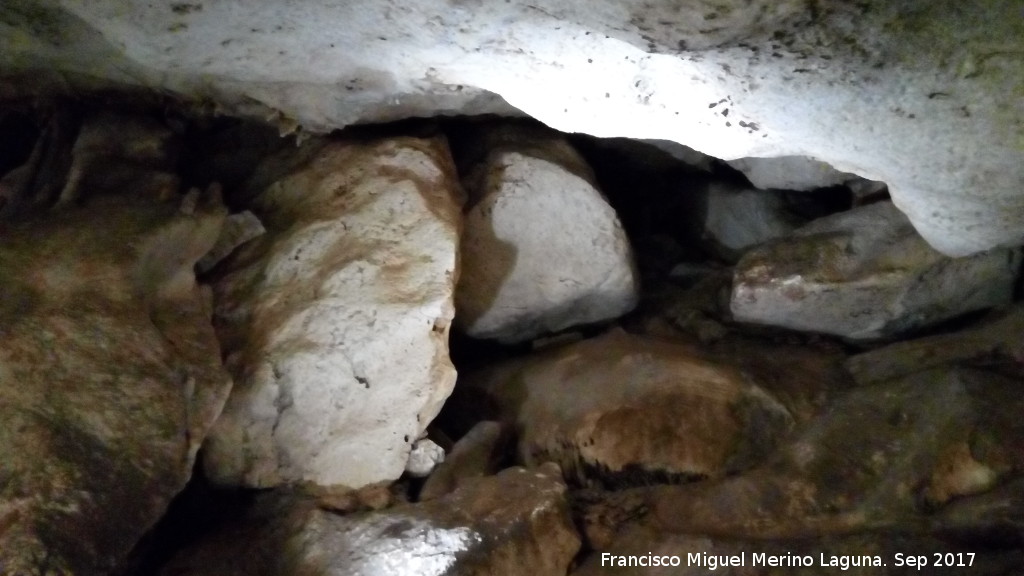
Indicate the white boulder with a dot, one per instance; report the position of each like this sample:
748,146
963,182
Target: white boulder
335,322
542,249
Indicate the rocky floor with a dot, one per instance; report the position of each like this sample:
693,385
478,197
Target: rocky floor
480,346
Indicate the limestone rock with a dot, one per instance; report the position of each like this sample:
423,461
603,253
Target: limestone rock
542,250
790,173
516,523
110,376
884,456
620,409
335,322
735,219
474,455
865,274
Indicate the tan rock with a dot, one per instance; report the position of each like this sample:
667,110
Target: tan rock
335,322
110,376
515,523
625,409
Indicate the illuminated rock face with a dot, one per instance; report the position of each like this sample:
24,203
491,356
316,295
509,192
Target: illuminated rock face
922,95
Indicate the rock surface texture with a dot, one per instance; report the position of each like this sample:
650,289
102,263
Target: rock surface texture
619,409
515,523
335,322
542,250
110,376
922,95
866,274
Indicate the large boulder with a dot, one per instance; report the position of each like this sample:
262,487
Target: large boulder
110,375
619,410
514,524
335,322
866,274
919,94
542,250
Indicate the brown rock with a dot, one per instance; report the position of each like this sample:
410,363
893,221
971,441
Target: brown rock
515,523
110,376
620,409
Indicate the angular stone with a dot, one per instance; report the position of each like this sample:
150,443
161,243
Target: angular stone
542,250
863,275
110,376
424,457
473,456
620,409
735,219
511,524
798,173
335,322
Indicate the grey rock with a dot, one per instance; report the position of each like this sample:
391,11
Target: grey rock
866,274
618,408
